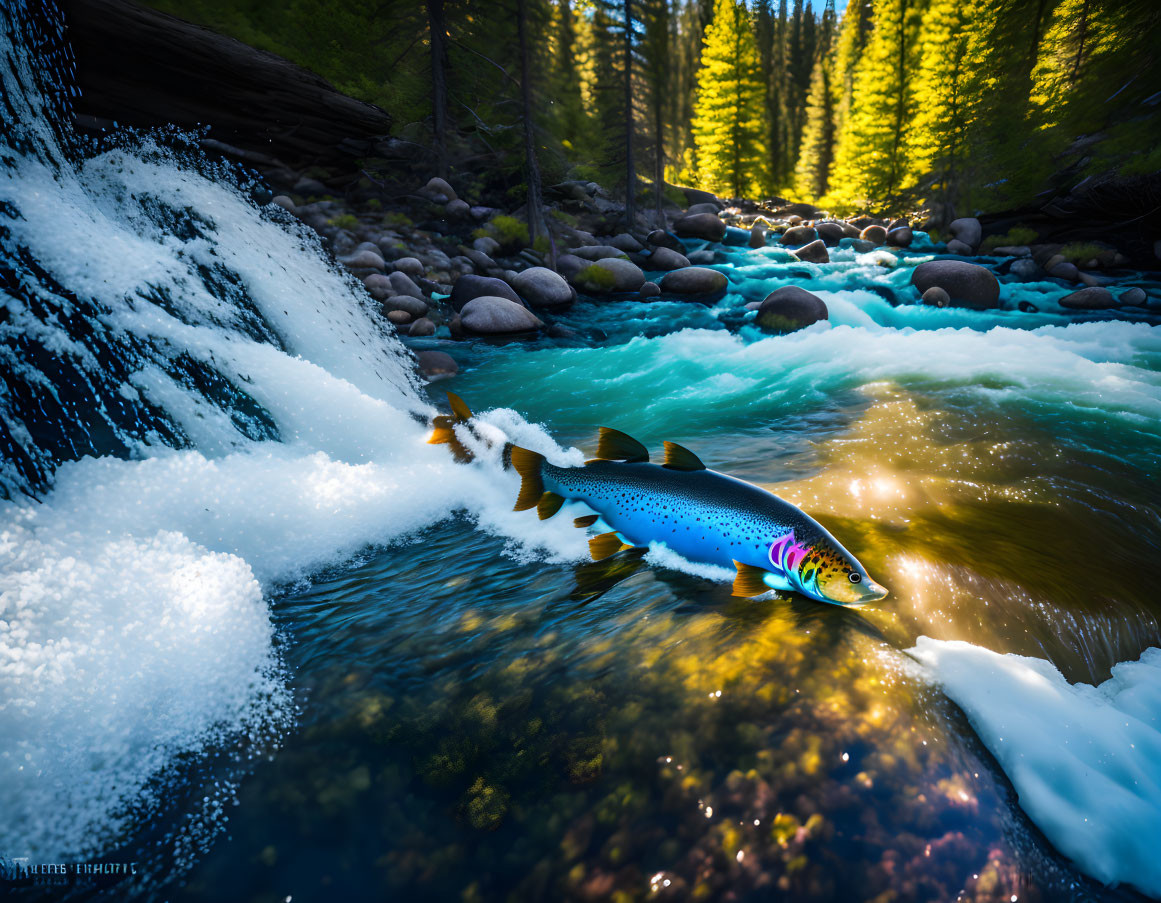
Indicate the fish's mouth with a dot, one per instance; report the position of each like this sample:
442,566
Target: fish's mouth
872,592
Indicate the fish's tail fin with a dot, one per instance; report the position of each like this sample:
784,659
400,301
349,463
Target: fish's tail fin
443,428
530,466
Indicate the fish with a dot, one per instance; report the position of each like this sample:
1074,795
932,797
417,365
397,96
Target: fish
700,514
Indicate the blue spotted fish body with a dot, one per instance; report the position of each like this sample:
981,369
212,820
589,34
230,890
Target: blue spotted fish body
700,514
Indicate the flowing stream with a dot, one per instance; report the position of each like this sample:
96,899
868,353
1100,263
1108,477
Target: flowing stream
260,638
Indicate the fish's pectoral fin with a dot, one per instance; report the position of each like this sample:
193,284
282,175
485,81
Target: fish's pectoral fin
678,457
601,547
585,522
548,505
749,581
442,431
613,445
459,407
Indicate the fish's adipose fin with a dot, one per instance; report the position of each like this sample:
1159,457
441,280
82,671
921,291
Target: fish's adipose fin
548,505
614,445
585,522
679,458
601,547
528,464
749,581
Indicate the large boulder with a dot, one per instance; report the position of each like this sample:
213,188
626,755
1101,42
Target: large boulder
493,315
955,246
414,306
1134,297
798,235
758,235
1094,298
612,275
966,283
409,265
541,287
471,286
436,365
708,226
379,286
568,265
790,308
437,188
695,282
666,259
697,196
900,237
659,238
874,233
815,252
626,243
695,209
968,230
402,284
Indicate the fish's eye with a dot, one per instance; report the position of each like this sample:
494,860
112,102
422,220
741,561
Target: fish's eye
855,578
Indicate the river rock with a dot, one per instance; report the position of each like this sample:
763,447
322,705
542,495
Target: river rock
399,317
694,281
541,287
284,202
798,235
875,234
757,236
493,315
815,252
422,327
955,246
596,252
485,244
900,237
790,308
626,277
437,188
1064,270
414,306
1095,298
363,260
704,256
858,245
1012,251
378,285
936,297
698,196
472,286
1134,297
666,259
402,284
968,230
659,238
830,233
966,283
696,209
436,365
850,230
650,290
457,209
708,226
1024,269
409,265
626,243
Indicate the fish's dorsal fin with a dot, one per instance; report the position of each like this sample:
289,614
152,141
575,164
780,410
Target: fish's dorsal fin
601,547
548,505
585,522
459,407
614,445
677,457
749,581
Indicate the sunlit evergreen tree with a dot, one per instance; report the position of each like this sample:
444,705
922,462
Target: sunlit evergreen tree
728,120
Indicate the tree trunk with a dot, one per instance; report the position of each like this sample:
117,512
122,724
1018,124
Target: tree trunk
536,223
437,30
630,168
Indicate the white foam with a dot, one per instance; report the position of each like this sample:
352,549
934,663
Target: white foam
1085,760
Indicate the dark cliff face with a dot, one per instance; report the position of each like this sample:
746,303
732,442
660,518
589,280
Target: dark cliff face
143,68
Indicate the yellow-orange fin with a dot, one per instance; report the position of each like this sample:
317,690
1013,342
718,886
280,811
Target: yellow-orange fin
748,581
613,445
679,458
548,505
587,521
601,547
528,464
459,407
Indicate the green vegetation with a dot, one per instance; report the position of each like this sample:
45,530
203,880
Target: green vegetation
1015,237
511,233
596,279
899,103
346,221
1080,252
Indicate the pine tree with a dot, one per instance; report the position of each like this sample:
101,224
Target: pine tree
812,175
870,159
727,126
568,102
852,39
656,75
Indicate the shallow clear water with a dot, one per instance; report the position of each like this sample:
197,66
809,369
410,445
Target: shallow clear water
259,637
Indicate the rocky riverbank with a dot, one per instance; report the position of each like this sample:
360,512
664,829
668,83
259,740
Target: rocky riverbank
440,265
